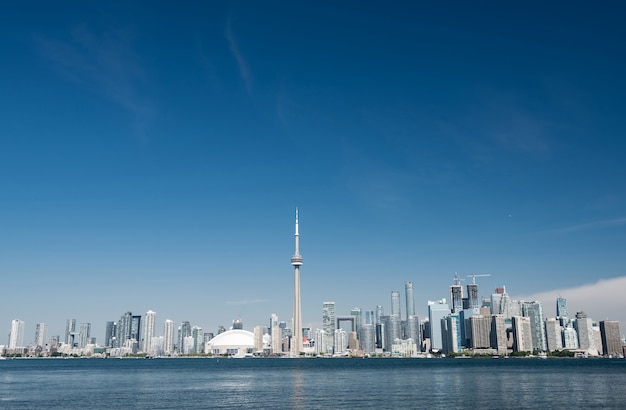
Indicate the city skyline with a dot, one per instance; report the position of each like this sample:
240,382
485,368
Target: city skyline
151,156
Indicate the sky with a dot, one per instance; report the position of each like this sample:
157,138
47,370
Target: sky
152,155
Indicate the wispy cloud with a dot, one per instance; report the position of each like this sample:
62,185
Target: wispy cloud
245,302
237,54
602,224
105,63
600,300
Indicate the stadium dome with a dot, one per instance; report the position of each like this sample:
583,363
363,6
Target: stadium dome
236,342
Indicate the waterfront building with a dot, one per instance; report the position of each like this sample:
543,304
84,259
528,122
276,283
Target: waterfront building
369,317
554,330
70,330
356,314
168,336
148,331
480,328
522,334
412,329
258,338
380,311
368,338
410,299
109,334
40,334
236,342
135,328
184,330
277,339
456,295
498,333
584,328
84,334
296,262
496,299
198,339
393,330
16,335
569,337
395,303
273,321
124,326
328,324
157,346
341,341
534,311
404,348
437,310
611,339
451,334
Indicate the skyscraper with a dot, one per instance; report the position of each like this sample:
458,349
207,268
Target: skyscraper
109,334
356,314
522,338
296,262
148,331
40,334
410,299
534,311
70,329
328,325
168,335
183,331
611,341
84,334
124,326
584,328
16,336
395,303
472,296
436,311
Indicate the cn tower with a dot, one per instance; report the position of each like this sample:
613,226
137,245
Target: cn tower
296,261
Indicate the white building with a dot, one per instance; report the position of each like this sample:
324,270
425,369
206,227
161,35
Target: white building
148,332
168,335
236,342
16,336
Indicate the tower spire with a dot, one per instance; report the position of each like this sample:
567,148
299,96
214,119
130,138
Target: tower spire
296,262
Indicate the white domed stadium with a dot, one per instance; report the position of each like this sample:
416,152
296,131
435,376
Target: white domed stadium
236,342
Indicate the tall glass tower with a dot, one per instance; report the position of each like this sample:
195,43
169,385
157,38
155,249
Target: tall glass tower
410,300
328,325
395,303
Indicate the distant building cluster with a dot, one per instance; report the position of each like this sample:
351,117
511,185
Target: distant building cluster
468,324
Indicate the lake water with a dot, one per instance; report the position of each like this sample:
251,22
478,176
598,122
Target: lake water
312,383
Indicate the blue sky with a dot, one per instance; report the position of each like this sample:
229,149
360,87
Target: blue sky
152,155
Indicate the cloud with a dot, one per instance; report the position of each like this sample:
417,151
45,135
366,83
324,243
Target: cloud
245,302
105,63
601,300
241,61
606,223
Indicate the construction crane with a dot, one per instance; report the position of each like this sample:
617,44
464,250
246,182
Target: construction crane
456,279
473,276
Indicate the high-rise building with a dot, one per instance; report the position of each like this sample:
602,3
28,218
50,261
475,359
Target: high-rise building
561,308
198,339
356,314
258,338
412,329
392,326
84,334
328,325
611,341
410,299
184,330
395,303
135,328
369,317
480,328
124,326
437,310
569,337
380,311
341,341
522,335
451,333
70,330
554,340
296,262
273,321
498,333
534,311
16,336
110,334
148,331
584,328
472,296
456,295
40,334
368,338
168,336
